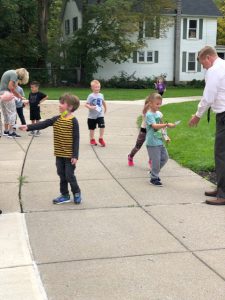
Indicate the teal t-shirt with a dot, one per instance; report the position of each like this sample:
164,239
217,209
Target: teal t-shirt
153,137
8,76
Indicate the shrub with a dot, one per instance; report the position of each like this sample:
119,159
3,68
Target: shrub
196,83
124,80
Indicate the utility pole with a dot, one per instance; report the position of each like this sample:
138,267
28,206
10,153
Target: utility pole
177,39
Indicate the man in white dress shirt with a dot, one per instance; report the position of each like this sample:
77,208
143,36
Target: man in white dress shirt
214,98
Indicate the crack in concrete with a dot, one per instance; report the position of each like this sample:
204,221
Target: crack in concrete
16,267
106,207
21,147
21,175
130,256
79,209
112,257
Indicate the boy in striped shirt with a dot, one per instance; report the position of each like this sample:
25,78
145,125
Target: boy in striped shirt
66,146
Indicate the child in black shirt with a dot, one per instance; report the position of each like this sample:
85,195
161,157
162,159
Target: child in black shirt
35,99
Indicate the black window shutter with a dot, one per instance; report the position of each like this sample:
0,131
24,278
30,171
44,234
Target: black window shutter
200,28
184,61
135,57
185,29
141,30
156,56
199,67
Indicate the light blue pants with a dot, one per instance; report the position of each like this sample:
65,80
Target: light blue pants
159,157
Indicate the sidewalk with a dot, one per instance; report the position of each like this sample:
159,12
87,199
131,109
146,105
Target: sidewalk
127,241
141,101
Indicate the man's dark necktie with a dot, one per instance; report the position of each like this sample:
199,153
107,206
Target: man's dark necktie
208,115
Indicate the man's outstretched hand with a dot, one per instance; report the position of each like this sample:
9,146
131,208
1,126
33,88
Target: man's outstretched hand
194,121
23,127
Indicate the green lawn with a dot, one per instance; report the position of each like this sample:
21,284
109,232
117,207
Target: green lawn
191,147
119,94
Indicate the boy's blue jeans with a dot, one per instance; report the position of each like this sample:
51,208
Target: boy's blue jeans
65,170
159,157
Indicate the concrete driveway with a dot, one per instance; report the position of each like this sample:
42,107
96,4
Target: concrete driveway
128,240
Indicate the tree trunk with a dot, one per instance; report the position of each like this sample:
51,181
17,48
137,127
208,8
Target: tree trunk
43,17
82,74
83,57
85,77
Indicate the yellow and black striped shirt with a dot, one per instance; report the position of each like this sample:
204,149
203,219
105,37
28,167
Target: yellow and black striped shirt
63,137
66,135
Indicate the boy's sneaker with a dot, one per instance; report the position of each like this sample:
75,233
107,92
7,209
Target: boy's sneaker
62,199
37,133
102,142
93,142
5,133
77,198
150,173
130,161
10,136
156,182
15,135
31,133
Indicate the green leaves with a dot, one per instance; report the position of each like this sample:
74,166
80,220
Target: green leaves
221,23
18,30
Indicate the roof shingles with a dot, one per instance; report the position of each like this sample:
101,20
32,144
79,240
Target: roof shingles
189,7
200,8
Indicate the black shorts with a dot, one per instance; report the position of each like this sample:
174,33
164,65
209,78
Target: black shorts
35,113
92,123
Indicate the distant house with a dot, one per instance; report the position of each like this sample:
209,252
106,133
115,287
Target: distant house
194,25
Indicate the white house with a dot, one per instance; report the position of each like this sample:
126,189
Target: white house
194,25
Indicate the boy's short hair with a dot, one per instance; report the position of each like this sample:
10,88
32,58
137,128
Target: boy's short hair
95,82
36,83
71,100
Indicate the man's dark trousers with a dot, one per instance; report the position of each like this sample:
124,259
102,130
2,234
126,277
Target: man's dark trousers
220,154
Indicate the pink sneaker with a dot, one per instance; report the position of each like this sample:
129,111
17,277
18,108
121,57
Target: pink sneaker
130,161
102,142
93,142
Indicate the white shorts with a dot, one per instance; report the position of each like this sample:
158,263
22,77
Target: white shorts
9,112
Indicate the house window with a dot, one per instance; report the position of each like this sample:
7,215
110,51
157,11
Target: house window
67,27
149,56
221,55
150,28
191,62
75,24
146,57
192,29
141,56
